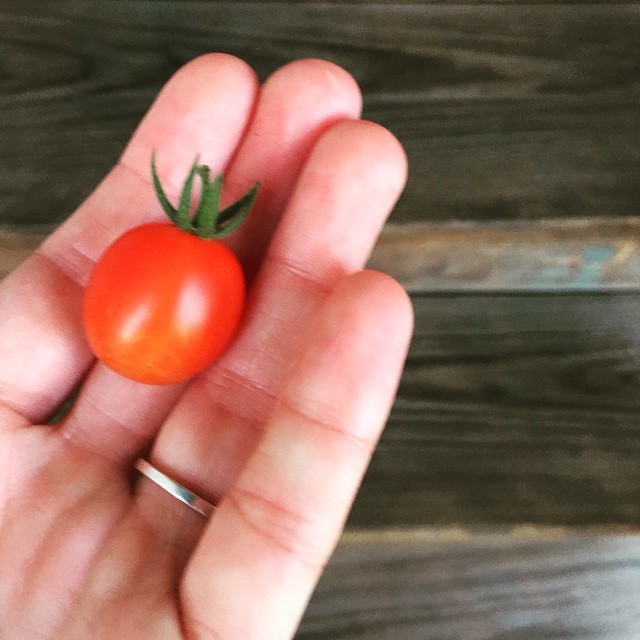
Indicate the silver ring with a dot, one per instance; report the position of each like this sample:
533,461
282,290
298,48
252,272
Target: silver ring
174,488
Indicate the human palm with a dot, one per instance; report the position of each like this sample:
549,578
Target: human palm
277,433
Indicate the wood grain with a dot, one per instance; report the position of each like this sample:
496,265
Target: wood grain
551,255
513,408
507,111
482,587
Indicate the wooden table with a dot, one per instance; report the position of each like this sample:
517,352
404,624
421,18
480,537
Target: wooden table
504,500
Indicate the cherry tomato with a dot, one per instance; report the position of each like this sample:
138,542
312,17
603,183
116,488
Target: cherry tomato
165,299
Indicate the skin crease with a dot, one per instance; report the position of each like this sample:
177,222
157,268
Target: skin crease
278,432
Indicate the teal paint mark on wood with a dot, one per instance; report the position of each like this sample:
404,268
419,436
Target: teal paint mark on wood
593,264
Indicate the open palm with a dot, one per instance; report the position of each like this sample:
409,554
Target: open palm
277,433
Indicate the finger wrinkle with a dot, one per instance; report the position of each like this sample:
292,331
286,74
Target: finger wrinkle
10,415
74,428
346,438
281,528
145,178
133,171
195,629
239,394
74,264
26,408
314,281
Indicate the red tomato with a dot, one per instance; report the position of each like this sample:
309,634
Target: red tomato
162,304
165,299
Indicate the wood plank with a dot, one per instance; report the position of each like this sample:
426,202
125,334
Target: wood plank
559,256
497,586
507,111
512,409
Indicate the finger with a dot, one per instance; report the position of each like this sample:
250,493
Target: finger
203,109
346,191
114,418
285,122
298,103
276,528
42,352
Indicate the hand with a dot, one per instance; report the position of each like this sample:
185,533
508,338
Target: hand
278,433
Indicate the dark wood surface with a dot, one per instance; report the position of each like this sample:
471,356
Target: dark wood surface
451,586
504,497
507,111
514,408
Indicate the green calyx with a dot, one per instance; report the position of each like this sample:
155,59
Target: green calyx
208,221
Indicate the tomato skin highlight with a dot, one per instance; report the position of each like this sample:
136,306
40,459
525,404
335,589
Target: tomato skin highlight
163,304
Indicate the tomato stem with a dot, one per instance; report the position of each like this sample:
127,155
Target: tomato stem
208,221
